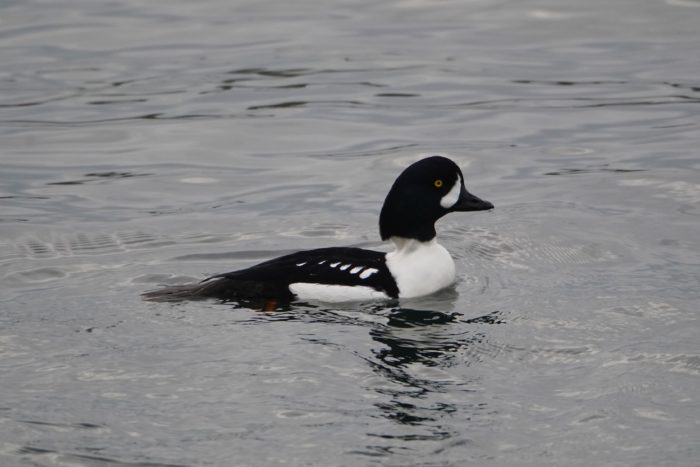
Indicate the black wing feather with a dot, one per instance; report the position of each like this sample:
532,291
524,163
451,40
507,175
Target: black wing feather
314,266
271,279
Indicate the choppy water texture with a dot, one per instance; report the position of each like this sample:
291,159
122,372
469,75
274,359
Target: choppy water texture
147,143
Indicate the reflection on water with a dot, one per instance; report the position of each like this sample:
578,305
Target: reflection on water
143,147
411,355
412,342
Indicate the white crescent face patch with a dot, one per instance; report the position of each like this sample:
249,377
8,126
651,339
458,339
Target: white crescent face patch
452,196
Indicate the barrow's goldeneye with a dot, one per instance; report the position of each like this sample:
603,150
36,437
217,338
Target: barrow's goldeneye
422,194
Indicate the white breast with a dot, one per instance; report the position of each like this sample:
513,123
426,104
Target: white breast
420,268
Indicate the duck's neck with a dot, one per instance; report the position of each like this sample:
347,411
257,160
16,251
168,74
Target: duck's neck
408,245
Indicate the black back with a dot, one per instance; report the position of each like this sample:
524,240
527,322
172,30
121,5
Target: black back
314,266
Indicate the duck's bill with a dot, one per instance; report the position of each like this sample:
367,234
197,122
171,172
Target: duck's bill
469,202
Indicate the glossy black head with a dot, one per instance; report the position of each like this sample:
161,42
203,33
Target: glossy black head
423,193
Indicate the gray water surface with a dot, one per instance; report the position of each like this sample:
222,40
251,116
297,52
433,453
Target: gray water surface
149,143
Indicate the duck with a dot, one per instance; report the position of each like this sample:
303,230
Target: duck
417,266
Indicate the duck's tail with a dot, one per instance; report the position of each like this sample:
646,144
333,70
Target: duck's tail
222,288
178,293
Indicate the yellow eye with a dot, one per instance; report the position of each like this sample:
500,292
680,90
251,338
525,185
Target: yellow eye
438,183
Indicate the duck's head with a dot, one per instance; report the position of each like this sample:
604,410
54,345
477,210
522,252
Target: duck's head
423,193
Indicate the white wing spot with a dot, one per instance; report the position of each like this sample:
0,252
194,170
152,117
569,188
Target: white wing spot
334,264
356,269
301,264
368,272
345,266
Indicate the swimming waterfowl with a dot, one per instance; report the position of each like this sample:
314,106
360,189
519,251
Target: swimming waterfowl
423,193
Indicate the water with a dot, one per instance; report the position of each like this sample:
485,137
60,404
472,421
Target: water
148,143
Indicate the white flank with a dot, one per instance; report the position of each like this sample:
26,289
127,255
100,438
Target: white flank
420,268
356,269
368,272
321,262
452,196
334,264
301,264
334,293
345,266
